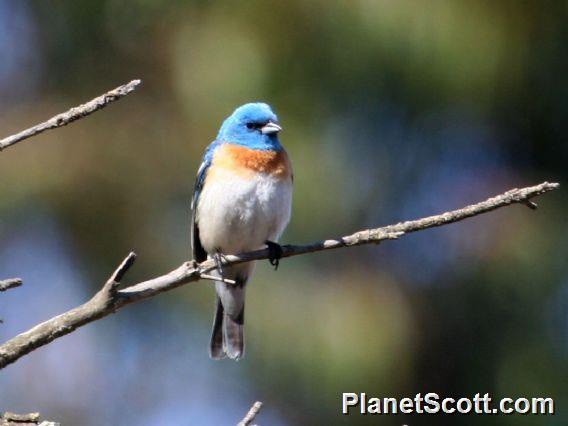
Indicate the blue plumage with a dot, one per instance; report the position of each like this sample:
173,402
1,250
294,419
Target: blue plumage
244,125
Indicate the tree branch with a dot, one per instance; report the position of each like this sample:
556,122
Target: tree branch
7,285
252,413
10,283
109,299
73,114
30,419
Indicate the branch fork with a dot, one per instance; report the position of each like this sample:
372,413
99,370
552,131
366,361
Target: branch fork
110,298
107,296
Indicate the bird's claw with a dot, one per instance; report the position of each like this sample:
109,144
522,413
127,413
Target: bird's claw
274,253
218,258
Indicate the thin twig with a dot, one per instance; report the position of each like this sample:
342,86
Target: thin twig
10,283
71,115
123,268
109,299
215,278
22,418
13,419
252,413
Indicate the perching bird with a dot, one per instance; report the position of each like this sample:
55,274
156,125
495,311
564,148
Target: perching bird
241,202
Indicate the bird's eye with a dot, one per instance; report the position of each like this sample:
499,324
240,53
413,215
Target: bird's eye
254,126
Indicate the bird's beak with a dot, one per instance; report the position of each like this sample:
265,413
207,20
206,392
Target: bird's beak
270,128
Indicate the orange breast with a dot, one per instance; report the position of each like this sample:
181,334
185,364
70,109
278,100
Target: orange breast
245,161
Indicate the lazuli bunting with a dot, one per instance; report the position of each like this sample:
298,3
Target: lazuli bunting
241,202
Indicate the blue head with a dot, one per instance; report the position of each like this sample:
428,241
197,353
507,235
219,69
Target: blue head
252,125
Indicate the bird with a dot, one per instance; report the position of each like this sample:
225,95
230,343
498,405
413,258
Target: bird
242,201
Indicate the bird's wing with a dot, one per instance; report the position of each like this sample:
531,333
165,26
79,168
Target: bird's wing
199,253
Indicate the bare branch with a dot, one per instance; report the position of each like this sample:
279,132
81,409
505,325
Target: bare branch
102,304
215,278
109,299
121,270
252,413
73,114
7,285
10,283
13,419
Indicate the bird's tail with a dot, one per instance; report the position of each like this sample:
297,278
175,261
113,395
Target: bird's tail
227,337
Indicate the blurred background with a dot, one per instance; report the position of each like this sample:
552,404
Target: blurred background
391,110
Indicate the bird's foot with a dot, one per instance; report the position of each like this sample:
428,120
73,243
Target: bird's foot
218,258
274,253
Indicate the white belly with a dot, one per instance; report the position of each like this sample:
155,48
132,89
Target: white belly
236,214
